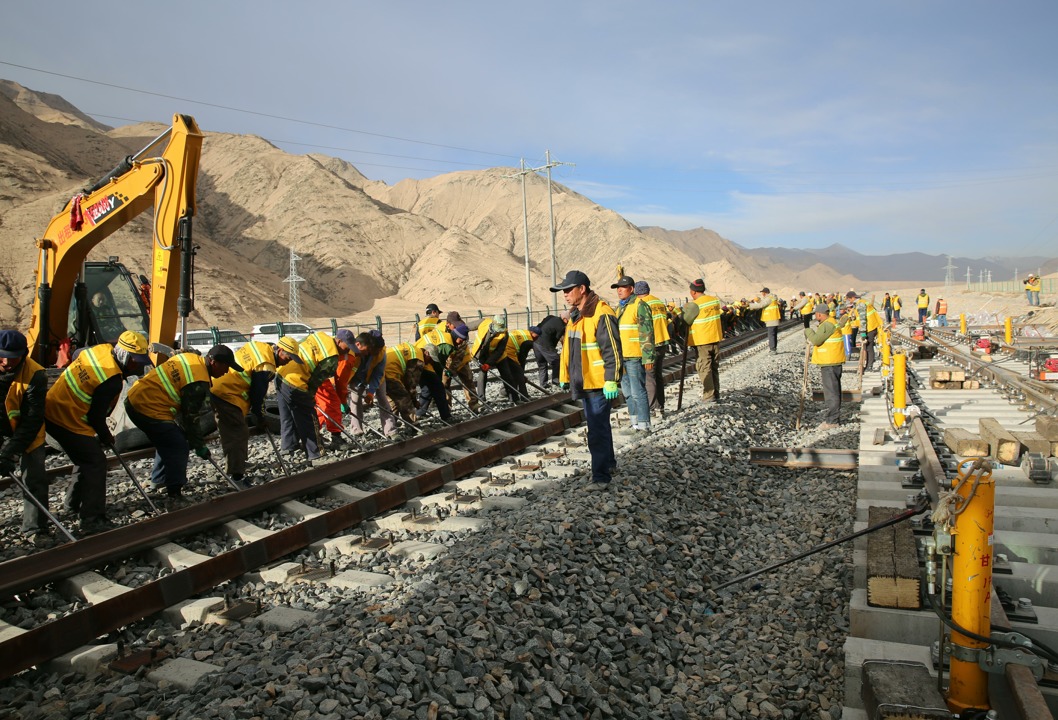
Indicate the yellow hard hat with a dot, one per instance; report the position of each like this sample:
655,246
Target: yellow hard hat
288,344
132,342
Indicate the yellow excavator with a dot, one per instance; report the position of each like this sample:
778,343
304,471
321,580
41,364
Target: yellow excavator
105,298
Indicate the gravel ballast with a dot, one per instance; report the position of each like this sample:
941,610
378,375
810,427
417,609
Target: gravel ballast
575,604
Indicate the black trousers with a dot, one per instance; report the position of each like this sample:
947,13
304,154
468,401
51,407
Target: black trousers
87,494
656,381
831,376
547,363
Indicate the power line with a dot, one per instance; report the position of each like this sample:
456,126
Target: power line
255,112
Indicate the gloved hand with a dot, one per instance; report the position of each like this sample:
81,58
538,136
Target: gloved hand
863,336
106,438
203,452
253,419
564,387
345,409
610,389
648,366
312,387
448,373
369,399
485,367
8,465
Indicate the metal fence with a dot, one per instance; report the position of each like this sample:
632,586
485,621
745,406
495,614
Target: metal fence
1047,285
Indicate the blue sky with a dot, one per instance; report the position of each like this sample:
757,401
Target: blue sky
884,126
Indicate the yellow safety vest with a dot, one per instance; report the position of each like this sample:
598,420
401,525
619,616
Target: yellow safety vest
517,338
234,387
427,324
479,335
71,396
923,301
807,308
660,316
896,302
316,347
15,394
157,394
628,324
831,352
707,328
397,359
437,336
771,311
873,321
592,365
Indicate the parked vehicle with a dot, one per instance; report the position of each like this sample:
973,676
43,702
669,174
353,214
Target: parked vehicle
203,340
271,332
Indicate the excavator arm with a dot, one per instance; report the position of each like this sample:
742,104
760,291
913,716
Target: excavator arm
166,180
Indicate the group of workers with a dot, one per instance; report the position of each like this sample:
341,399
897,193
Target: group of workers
324,378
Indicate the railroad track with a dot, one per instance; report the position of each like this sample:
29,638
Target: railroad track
320,503
1026,512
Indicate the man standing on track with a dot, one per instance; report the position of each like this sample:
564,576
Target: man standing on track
702,317
591,367
828,352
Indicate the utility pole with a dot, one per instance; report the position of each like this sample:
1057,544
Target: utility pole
551,214
294,304
967,277
522,172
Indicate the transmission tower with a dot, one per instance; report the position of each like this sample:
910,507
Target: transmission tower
294,305
949,274
967,277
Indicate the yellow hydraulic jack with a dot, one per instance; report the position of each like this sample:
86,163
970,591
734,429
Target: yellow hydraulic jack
962,323
964,523
899,389
1008,331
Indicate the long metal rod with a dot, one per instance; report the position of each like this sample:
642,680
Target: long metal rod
42,507
921,507
135,480
275,448
223,474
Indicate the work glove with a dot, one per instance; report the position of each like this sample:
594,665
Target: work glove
106,438
8,465
253,419
610,389
345,409
369,399
448,373
485,367
203,452
564,387
863,336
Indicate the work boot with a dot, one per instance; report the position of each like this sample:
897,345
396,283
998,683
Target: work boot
337,440
96,525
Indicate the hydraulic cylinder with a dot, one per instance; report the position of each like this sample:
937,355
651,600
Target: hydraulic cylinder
899,388
971,584
962,323
1008,331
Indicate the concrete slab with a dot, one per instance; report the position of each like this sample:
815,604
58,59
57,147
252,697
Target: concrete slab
277,573
1008,495
284,619
87,660
458,523
299,510
182,673
92,587
502,502
358,580
176,556
347,493
247,532
1038,583
417,550
193,612
1039,548
1018,519
384,477
8,631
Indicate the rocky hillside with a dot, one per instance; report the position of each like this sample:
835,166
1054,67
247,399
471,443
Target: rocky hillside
455,239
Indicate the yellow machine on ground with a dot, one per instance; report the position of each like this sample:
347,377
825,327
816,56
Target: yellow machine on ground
102,306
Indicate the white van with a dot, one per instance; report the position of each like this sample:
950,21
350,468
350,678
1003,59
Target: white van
269,333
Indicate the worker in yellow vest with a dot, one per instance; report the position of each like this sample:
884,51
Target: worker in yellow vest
869,322
828,353
79,404
436,346
770,315
705,331
432,320
458,365
804,306
238,398
896,309
24,387
403,367
296,386
1032,290
497,351
654,370
635,322
166,403
368,382
923,305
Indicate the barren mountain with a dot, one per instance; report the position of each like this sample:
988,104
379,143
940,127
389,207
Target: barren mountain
455,239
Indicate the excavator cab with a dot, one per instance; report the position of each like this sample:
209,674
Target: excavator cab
107,302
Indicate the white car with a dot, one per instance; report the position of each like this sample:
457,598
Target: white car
202,340
269,333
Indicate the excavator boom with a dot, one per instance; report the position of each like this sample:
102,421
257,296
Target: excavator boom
166,180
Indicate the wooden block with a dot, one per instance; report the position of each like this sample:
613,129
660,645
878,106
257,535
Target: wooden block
965,443
1033,442
971,384
958,375
1047,426
1006,448
893,577
901,690
946,384
941,374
